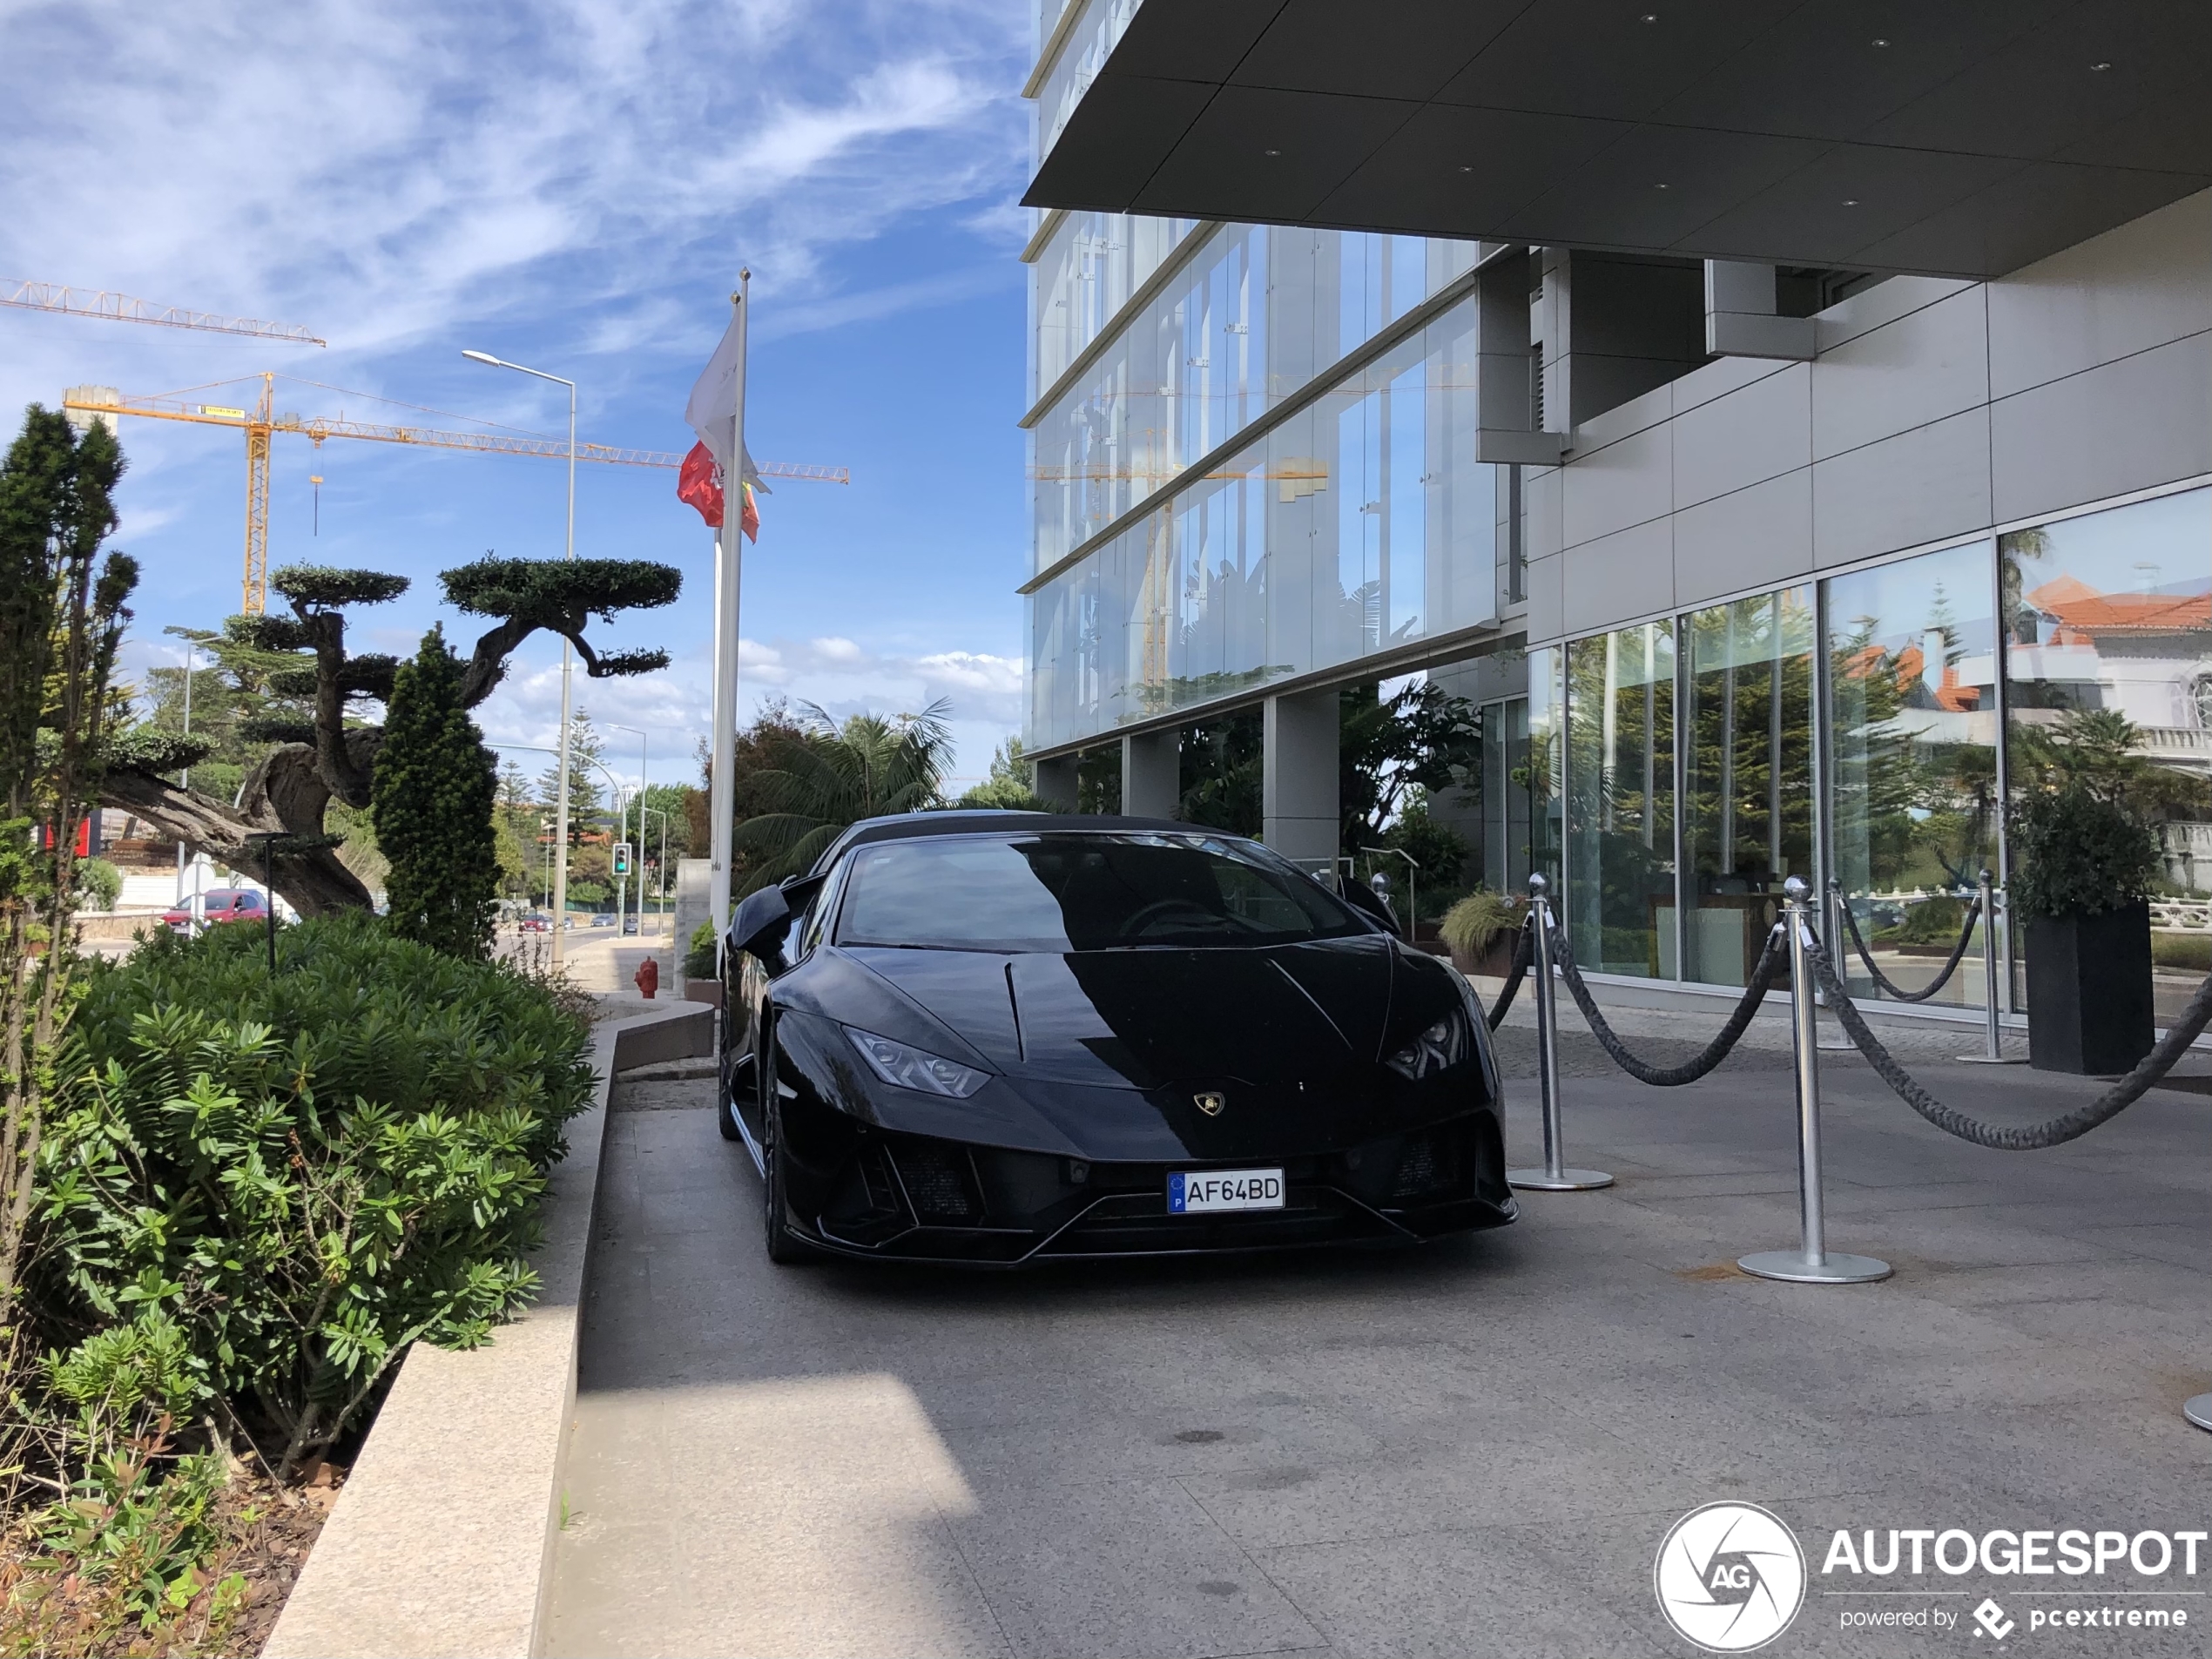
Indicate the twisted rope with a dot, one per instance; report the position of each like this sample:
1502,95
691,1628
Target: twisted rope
1518,972
2030,1138
1698,1064
1850,924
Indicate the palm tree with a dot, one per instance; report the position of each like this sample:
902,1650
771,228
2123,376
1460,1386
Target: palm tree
832,777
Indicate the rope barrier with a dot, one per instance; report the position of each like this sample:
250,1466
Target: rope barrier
2030,1138
1851,925
1514,974
1713,1053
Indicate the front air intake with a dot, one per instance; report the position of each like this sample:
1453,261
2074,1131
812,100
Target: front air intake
940,1184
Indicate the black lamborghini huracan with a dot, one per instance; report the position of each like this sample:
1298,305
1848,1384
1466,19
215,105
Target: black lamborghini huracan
1004,1037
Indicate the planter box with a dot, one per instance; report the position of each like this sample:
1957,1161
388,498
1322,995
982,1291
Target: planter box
2089,991
1495,963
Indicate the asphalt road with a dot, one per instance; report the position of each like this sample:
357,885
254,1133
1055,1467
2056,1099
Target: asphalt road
1470,1448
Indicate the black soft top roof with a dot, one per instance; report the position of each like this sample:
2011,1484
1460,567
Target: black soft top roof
906,826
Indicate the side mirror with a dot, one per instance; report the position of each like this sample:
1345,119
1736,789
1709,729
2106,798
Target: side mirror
761,916
759,926
1372,904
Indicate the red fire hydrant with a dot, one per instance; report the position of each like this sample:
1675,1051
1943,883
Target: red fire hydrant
648,977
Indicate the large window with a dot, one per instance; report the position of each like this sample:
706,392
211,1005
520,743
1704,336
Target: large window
1088,269
1248,323
1747,775
1912,730
1620,809
2108,651
1356,526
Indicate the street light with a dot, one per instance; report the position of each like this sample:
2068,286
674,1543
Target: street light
561,805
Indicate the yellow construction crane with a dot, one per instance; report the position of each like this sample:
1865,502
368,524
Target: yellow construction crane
106,305
262,422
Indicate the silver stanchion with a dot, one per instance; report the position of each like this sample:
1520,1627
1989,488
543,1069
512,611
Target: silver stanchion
1552,1178
1996,1056
1841,1042
1814,1264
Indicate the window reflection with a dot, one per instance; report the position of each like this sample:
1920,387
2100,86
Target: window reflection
2108,663
1747,776
1620,808
1912,689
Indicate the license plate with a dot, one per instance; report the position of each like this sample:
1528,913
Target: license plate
1216,1191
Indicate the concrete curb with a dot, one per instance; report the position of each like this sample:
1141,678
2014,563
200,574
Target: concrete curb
442,1541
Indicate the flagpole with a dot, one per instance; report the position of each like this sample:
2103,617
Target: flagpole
729,572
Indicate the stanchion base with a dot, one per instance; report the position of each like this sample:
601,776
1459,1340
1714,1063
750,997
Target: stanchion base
1791,1267
1845,1047
1565,1180
1993,1060
2199,1411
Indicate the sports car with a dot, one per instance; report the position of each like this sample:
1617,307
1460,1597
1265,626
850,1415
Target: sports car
998,1038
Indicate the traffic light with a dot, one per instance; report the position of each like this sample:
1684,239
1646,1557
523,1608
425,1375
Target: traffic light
621,858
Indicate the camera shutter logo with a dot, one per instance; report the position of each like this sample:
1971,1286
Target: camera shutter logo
1730,1577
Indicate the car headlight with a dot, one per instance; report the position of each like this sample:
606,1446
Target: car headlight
1443,1044
910,1068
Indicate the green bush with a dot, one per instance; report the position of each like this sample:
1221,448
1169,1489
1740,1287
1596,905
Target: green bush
1930,921
698,960
99,884
301,1173
2076,852
2192,951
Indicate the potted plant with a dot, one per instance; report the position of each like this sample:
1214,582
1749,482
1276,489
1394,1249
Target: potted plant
1479,931
2082,869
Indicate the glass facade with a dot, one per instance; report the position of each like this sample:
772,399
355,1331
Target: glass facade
1678,766
1089,268
1348,529
1912,726
1248,323
2108,643
1619,807
1091,38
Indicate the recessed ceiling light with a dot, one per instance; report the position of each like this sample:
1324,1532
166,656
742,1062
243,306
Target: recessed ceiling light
1850,201
1881,42
1663,186
1274,152
1466,170
1651,16
2099,68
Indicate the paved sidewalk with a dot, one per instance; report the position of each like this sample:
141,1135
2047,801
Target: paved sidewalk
1473,1447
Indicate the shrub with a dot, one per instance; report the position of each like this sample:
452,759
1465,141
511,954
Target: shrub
302,1173
698,959
2075,851
1931,921
434,789
1472,926
99,884
2192,951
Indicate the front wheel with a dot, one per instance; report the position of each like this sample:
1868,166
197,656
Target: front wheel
785,1247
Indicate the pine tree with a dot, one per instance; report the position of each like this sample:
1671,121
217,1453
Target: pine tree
433,795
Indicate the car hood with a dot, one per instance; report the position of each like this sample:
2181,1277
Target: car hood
1147,1019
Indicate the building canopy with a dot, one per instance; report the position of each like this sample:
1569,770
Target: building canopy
1966,139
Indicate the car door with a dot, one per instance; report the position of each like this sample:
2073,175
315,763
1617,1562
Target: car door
746,1022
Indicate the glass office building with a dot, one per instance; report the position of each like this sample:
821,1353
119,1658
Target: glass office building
1796,554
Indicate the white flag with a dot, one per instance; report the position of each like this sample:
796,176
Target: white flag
713,406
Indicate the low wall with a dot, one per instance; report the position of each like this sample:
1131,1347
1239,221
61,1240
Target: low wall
442,1540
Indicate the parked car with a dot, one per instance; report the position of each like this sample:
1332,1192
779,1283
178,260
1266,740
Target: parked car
534,924
217,905
995,1038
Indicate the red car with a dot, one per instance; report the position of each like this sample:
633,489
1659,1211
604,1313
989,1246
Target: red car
534,924
218,904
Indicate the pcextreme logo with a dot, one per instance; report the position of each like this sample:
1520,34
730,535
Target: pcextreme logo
1730,1577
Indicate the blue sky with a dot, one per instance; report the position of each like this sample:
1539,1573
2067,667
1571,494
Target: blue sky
570,185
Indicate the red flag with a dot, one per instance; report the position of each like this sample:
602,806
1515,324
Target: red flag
699,483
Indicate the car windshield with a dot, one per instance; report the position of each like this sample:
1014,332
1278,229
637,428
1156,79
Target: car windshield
1079,892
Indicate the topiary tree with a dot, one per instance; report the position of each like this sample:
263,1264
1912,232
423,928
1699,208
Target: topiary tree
323,751
432,796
